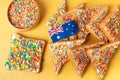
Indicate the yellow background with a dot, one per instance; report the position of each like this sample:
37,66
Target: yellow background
40,32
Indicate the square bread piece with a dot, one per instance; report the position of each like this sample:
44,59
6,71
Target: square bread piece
25,54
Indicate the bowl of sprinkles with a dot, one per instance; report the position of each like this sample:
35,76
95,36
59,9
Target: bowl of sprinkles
23,14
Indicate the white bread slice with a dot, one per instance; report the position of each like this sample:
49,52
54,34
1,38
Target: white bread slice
110,26
25,54
83,18
100,57
79,56
93,26
60,54
53,20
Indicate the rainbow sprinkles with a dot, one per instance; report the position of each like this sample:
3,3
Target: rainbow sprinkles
25,54
23,14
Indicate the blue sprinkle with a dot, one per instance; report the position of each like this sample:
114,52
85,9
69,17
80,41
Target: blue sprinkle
27,20
7,63
11,54
10,68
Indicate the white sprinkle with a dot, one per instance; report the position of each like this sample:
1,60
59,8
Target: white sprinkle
13,36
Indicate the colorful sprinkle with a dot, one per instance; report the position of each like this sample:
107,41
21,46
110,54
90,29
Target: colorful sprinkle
23,14
25,54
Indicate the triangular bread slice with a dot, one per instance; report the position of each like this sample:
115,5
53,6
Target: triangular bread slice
25,54
110,26
53,20
60,54
83,18
79,56
93,26
100,57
